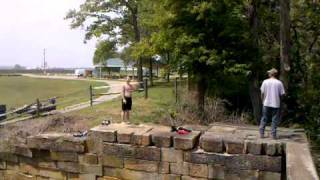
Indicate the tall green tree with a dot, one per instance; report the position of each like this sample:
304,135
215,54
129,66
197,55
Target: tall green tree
113,20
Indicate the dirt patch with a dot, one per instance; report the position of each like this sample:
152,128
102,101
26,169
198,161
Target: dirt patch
18,132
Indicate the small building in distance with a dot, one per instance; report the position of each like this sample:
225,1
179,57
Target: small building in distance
117,68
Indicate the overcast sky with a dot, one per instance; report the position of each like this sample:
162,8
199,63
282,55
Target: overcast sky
29,26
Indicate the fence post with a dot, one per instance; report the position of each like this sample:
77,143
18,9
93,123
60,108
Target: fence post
176,89
91,94
38,107
146,88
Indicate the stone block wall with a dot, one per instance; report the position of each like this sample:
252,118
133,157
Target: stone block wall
138,152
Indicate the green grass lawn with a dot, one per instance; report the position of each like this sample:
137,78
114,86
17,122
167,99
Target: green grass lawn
152,110
17,91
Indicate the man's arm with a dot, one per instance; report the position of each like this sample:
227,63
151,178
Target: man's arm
262,96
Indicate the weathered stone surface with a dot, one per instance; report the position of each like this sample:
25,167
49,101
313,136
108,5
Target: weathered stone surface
72,167
13,166
164,168
105,133
169,177
23,151
211,142
28,169
3,165
191,178
56,142
263,175
225,129
253,147
142,138
124,150
47,164
215,171
72,176
22,176
234,145
112,161
128,174
107,178
299,162
249,174
51,174
198,170
88,158
8,157
171,155
64,156
91,169
161,136
181,168
185,142
201,157
87,177
141,165
148,153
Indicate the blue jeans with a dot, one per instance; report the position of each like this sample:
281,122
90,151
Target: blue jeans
268,112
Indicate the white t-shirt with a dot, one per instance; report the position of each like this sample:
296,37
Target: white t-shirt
272,89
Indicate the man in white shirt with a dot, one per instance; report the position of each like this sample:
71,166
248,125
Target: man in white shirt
271,92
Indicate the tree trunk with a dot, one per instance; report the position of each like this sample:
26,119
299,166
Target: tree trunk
137,39
254,90
168,67
151,71
255,96
284,41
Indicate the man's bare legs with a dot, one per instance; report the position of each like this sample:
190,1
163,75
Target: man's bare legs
125,115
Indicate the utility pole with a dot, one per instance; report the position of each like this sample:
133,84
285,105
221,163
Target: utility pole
44,62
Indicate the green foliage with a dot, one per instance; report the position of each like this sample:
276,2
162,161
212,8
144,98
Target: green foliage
104,50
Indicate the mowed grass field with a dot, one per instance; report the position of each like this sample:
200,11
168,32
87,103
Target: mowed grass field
18,91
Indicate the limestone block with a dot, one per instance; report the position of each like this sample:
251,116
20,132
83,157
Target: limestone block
105,133
28,169
72,176
107,178
169,177
68,146
112,161
171,155
51,174
148,153
72,167
8,157
265,163
191,178
142,138
88,158
222,129
3,165
253,147
201,157
48,164
13,166
22,176
64,156
161,136
264,175
211,142
128,174
181,168
87,177
43,155
249,174
215,171
91,169
22,151
198,170
234,145
141,165
164,167
185,142
123,150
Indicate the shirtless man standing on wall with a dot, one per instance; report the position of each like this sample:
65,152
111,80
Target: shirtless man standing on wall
127,91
